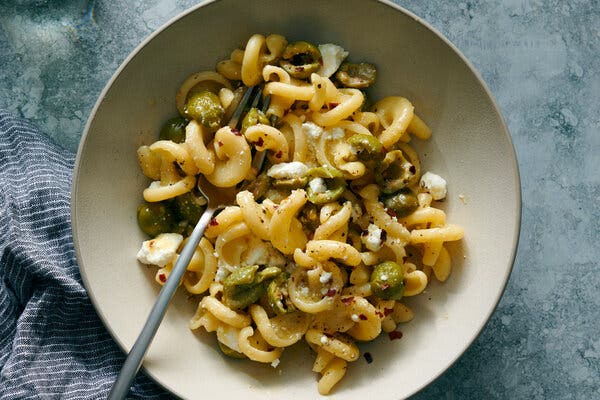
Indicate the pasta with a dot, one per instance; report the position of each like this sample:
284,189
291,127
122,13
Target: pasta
318,245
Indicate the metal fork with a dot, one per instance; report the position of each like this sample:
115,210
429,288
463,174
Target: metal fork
217,198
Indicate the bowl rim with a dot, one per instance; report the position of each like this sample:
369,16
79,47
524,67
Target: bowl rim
513,161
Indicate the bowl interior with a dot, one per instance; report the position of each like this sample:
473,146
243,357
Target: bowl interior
470,148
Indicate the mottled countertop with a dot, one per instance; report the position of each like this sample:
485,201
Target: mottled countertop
541,60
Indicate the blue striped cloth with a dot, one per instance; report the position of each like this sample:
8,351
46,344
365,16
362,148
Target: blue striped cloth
52,344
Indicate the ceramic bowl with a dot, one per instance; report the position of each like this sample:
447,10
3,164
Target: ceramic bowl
470,147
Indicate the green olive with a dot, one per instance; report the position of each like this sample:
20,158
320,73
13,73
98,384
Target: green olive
253,117
291,183
403,202
155,218
229,352
258,186
394,172
325,171
357,76
300,59
335,189
174,129
245,286
190,206
205,107
367,146
387,281
278,297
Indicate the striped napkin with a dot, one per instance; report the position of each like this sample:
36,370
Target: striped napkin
52,344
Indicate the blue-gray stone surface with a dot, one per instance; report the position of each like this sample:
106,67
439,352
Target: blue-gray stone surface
541,60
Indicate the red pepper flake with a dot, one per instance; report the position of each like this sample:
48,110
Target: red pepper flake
391,213
368,357
279,154
220,143
260,142
151,244
321,62
379,314
347,300
299,68
383,150
162,278
333,105
331,292
387,311
385,286
236,132
362,317
214,222
395,335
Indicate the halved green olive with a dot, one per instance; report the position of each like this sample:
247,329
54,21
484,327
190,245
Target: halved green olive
394,172
258,186
367,146
278,297
335,189
403,202
253,117
174,129
387,281
190,206
229,352
325,171
291,183
155,218
300,59
357,76
205,107
245,285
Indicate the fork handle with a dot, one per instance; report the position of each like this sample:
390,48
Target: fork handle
135,357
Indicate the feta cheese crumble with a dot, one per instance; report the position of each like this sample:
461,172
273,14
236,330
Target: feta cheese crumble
289,170
372,240
434,184
160,250
333,56
325,277
312,131
275,363
317,185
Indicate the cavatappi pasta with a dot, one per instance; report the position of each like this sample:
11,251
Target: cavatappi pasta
316,247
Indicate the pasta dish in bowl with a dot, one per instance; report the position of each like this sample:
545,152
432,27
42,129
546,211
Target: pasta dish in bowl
344,241
316,246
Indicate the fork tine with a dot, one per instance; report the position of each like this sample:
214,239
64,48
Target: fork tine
235,118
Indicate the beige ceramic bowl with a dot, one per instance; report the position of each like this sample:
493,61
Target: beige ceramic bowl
470,147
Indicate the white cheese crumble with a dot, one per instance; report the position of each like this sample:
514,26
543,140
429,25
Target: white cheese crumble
160,250
325,277
228,335
223,270
434,184
333,56
317,185
336,134
275,363
294,169
263,253
372,240
324,339
354,318
312,130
